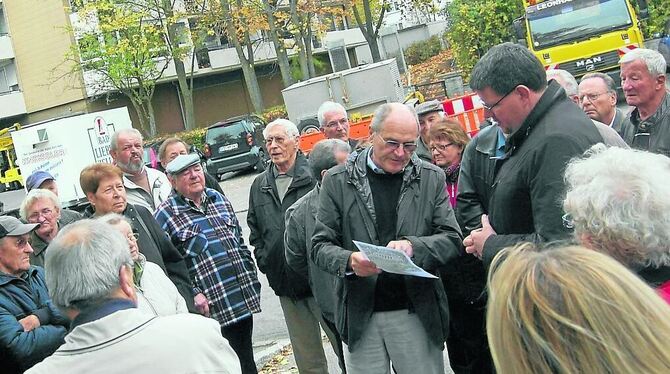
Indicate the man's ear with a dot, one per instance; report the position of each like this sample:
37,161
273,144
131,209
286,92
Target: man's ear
113,154
171,179
660,81
126,282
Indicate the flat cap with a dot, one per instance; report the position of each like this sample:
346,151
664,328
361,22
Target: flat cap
429,106
181,163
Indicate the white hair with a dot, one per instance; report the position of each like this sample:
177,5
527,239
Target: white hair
654,61
327,107
565,79
114,219
289,127
83,262
619,201
32,197
114,141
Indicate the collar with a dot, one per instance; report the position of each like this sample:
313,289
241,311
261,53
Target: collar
552,93
654,119
142,172
371,164
103,309
290,172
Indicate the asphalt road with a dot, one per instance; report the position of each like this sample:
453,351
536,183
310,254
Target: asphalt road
269,327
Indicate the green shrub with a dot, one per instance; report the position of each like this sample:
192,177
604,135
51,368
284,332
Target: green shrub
421,51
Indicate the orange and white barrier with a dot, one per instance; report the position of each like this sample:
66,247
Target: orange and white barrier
467,110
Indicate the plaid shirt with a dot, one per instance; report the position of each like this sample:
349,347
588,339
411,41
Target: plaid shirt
220,264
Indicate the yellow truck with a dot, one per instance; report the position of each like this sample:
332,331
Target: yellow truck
581,36
10,175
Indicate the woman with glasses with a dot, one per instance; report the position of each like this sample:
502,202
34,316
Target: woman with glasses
447,142
155,292
103,185
43,207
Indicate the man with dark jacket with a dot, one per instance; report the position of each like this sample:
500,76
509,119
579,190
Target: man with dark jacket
546,130
647,127
285,181
31,327
385,195
300,221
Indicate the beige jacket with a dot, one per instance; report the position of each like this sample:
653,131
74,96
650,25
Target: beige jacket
132,341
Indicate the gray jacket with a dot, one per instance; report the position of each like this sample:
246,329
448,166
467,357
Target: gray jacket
346,212
658,126
300,222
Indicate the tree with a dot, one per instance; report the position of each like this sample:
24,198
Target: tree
124,51
371,24
477,25
272,14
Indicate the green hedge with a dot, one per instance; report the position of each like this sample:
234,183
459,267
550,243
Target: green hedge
421,51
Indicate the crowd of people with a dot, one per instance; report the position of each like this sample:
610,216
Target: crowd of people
548,234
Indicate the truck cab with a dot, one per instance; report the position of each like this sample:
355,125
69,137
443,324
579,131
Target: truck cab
581,36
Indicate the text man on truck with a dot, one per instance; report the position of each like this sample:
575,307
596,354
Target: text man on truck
581,36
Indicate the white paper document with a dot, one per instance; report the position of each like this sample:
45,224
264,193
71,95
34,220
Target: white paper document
391,260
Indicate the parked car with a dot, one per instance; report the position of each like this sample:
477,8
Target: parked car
235,144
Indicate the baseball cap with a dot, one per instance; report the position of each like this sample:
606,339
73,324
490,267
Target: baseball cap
428,107
10,226
36,179
181,163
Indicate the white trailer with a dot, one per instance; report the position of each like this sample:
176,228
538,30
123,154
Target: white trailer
65,146
360,90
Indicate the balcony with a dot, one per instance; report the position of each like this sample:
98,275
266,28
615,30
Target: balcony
12,104
6,49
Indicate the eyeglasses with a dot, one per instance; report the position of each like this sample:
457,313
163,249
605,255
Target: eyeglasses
440,147
22,242
490,108
277,139
133,237
333,124
591,97
46,212
568,221
407,147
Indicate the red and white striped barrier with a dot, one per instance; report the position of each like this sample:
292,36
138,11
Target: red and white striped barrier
467,110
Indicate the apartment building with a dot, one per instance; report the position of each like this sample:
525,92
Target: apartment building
35,86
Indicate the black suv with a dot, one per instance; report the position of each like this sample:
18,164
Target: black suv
235,144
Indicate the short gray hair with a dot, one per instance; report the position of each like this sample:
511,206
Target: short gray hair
609,82
83,262
322,156
383,111
620,200
32,197
329,106
565,79
114,219
114,142
654,61
289,127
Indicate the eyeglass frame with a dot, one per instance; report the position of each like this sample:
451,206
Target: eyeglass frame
407,147
490,108
591,97
344,122
440,147
42,213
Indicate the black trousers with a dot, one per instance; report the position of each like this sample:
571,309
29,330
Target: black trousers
467,344
239,338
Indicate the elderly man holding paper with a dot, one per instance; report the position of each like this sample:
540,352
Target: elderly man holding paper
385,195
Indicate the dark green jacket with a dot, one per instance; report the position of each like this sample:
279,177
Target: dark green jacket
425,218
266,223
